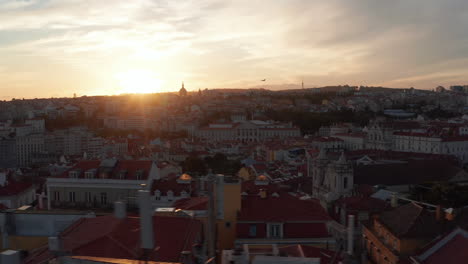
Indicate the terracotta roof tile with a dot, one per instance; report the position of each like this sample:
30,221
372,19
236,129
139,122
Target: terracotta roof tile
283,208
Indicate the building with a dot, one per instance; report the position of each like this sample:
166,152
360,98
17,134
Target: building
31,229
27,146
247,131
298,254
430,143
7,152
182,91
13,193
396,235
451,248
331,179
172,188
99,183
352,141
269,217
217,207
173,239
37,124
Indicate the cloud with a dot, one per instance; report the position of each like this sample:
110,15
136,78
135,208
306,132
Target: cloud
230,43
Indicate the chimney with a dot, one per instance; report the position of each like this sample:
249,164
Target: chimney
146,220
350,234
55,244
120,210
40,200
438,213
10,257
449,214
394,201
186,257
211,230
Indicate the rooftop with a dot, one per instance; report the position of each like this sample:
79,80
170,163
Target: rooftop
110,237
411,220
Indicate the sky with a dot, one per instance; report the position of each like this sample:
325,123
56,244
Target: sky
54,48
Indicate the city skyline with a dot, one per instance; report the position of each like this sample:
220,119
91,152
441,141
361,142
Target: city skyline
58,48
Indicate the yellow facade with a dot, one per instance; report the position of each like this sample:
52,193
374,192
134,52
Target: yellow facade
245,174
227,226
26,242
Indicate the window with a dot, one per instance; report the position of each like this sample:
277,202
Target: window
275,230
56,196
71,197
103,198
228,224
139,174
345,182
157,195
73,174
252,230
88,197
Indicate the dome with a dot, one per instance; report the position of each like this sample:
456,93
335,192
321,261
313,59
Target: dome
185,177
262,178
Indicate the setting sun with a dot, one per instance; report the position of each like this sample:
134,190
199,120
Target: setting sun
138,81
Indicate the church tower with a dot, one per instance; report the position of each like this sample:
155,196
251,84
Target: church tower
342,177
182,91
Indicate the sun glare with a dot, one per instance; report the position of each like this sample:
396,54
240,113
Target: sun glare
138,81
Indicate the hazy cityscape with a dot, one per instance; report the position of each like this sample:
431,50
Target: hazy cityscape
233,132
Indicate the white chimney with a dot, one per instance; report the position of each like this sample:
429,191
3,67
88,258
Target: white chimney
10,257
350,234
394,200
146,220
3,178
120,210
54,244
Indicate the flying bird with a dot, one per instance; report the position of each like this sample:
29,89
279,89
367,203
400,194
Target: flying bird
263,80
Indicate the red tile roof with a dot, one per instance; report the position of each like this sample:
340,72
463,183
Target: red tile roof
411,221
14,187
130,166
283,208
109,237
305,251
39,256
359,203
449,249
355,135
250,187
411,172
193,203
171,183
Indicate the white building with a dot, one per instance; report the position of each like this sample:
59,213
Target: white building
98,184
248,131
28,145
352,141
38,124
434,144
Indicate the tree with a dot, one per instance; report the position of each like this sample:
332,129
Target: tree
194,165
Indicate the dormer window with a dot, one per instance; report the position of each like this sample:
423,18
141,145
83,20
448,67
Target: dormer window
73,174
275,230
90,174
157,195
139,175
122,174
